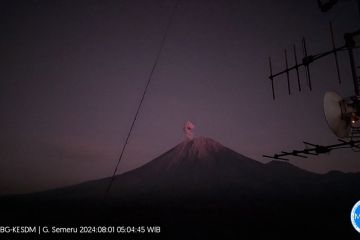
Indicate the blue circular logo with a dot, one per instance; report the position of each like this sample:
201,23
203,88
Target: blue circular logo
355,216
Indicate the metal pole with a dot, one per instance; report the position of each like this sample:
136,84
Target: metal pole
353,71
350,44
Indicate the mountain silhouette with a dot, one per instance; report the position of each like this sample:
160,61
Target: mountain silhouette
201,189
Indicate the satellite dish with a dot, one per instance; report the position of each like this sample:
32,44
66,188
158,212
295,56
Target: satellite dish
338,114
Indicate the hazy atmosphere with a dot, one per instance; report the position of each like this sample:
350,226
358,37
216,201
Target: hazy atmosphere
72,75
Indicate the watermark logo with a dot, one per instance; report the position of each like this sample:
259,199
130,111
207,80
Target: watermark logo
355,216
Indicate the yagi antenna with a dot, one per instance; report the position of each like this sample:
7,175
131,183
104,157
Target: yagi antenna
315,149
306,61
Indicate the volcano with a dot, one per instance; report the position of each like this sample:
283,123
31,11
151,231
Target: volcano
201,189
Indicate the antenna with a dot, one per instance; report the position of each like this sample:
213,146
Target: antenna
315,149
338,114
350,45
307,60
341,114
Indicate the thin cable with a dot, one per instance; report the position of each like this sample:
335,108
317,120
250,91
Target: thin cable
144,93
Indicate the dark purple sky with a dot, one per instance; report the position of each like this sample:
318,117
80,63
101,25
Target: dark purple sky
72,75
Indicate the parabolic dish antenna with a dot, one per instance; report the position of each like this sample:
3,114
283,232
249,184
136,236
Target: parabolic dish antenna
337,114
